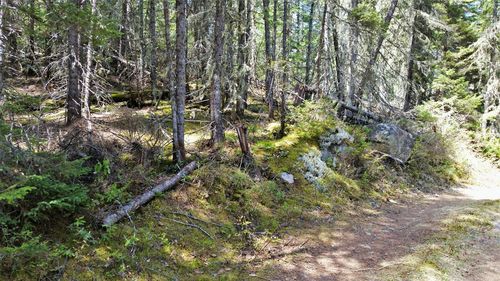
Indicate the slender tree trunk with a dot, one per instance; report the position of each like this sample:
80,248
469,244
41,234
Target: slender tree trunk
12,35
375,52
124,29
242,61
73,98
88,72
216,99
2,50
181,57
285,70
309,45
273,58
31,40
321,47
269,59
338,62
298,38
251,47
154,39
354,41
410,95
229,55
171,78
48,44
142,43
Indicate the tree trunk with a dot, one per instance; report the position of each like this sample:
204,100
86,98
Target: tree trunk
273,58
242,61
154,39
171,78
12,35
2,50
229,67
142,199
48,45
354,40
320,50
338,61
410,95
87,73
124,29
309,45
216,99
242,132
142,43
180,94
269,59
31,40
285,70
374,54
251,47
73,98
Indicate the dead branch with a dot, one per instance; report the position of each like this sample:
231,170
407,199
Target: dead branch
194,226
142,199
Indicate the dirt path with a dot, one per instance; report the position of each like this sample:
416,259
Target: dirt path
362,247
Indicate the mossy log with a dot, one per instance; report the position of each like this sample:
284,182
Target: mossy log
147,196
137,98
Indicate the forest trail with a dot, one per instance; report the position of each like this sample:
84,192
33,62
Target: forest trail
370,243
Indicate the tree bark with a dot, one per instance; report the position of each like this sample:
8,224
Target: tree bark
73,98
31,40
354,40
321,47
242,132
2,51
216,99
88,72
154,39
251,47
376,51
144,198
273,58
284,52
180,94
124,29
269,59
242,60
171,78
142,43
309,44
410,95
338,61
229,63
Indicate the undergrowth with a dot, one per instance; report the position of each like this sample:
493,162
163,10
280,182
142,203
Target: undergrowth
207,228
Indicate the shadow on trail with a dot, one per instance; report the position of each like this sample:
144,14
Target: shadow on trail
357,249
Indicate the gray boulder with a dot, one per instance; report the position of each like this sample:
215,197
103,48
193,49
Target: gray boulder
392,140
287,178
314,168
335,146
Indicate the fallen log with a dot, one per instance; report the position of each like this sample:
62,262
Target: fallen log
142,199
359,111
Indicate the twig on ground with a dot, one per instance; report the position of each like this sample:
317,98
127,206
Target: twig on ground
188,215
193,226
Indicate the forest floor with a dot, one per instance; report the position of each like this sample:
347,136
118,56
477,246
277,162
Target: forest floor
422,237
